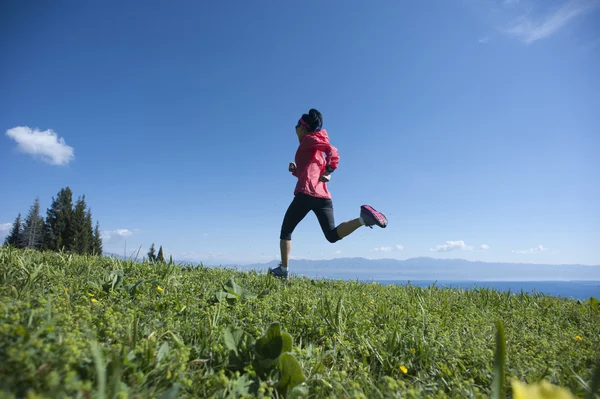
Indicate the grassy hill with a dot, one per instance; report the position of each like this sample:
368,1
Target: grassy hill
77,326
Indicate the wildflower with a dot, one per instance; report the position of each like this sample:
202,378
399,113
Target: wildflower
578,338
540,390
94,300
403,369
364,294
374,282
159,289
92,295
372,302
413,350
65,289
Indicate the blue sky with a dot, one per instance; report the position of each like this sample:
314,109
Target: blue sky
473,125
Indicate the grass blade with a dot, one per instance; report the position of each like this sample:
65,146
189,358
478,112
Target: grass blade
498,385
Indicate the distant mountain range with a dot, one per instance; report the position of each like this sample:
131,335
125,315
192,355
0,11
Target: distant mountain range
434,269
425,269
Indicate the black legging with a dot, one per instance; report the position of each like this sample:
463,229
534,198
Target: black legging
299,208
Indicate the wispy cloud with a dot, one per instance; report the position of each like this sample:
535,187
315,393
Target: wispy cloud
460,245
389,249
529,31
45,145
338,252
5,227
539,248
484,39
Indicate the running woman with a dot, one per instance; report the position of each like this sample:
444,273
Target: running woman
313,171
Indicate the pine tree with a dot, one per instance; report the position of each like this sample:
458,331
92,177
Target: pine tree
15,237
33,228
80,242
89,231
58,221
97,241
160,258
152,254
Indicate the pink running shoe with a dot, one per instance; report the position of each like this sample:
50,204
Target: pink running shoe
371,217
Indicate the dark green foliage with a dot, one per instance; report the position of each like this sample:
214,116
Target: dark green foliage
160,258
15,237
33,228
97,241
58,221
152,254
81,238
65,228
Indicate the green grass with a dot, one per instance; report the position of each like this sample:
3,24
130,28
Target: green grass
77,326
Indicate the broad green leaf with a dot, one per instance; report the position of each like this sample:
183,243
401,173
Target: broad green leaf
163,351
232,339
290,371
270,345
286,345
222,295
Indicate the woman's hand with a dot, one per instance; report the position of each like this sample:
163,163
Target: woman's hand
325,178
292,167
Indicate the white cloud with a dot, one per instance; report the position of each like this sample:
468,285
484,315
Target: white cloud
338,252
452,246
43,144
5,227
539,248
389,249
484,247
484,39
119,233
529,31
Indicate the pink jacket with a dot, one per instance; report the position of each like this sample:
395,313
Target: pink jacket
311,164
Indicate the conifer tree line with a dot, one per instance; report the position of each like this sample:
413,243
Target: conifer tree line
67,227
153,257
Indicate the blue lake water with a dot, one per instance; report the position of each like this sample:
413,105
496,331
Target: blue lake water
566,289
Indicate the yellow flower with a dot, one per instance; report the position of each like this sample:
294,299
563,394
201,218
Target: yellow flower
94,300
159,288
65,289
413,350
403,369
90,294
372,302
541,390
364,294
578,338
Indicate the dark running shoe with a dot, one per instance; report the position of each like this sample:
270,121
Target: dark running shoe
279,273
371,217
